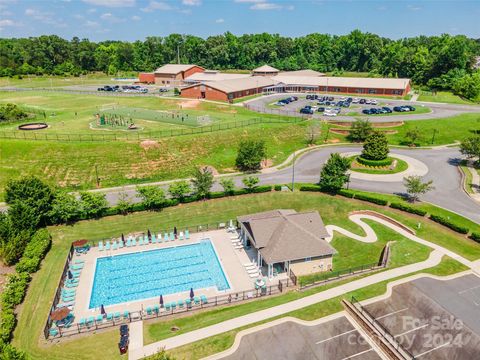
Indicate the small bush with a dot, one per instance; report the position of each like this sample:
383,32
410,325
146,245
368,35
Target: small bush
7,325
262,189
28,265
189,199
310,188
14,290
475,237
445,222
371,199
347,193
217,195
240,192
374,163
408,209
278,187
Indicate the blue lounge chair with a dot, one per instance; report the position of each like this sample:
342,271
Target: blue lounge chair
53,332
129,242
77,261
99,318
82,322
196,300
120,244
146,240
180,303
204,299
68,298
90,321
109,317
167,306
140,240
154,239
156,308
76,266
116,316
107,245
187,234
68,291
159,237
149,310
114,245
173,305
100,245
165,237
172,236
73,285
70,304
188,302
126,314
134,241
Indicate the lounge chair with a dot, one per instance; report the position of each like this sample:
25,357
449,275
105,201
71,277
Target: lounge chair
196,300
134,241
114,245
69,304
188,302
71,285
238,247
68,291
154,239
129,242
109,317
254,275
53,332
172,236
99,318
116,316
159,237
204,299
76,266
156,308
77,261
187,234
100,245
180,303
107,245
148,310
90,320
173,305
126,314
67,298
82,322
120,244
167,306
140,240
180,236
165,237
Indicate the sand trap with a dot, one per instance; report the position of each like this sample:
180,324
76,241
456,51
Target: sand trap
149,144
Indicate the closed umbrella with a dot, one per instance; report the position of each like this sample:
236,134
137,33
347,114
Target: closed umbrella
149,234
123,239
102,310
70,275
161,300
192,294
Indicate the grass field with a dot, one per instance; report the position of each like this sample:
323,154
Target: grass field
445,97
31,81
334,210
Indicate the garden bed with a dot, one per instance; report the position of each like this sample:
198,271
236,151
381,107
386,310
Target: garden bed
395,166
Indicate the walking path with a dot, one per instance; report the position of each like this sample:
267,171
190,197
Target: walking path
245,320
475,181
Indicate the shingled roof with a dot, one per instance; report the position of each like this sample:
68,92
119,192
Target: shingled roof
283,235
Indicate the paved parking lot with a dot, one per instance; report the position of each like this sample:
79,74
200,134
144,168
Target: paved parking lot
434,319
333,340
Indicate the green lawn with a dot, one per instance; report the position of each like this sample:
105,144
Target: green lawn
443,96
467,177
32,81
334,210
223,341
357,167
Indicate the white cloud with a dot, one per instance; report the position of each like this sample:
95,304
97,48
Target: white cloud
220,21
192,2
7,22
250,1
266,6
78,16
136,18
156,5
111,3
45,17
414,7
91,10
91,24
111,18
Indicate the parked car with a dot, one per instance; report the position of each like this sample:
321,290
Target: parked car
362,101
163,89
387,109
373,102
411,108
280,103
355,100
329,113
366,111
398,109
321,109
306,110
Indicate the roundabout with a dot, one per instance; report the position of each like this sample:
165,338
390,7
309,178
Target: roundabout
393,166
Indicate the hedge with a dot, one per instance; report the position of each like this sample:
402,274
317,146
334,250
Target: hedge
310,187
408,209
278,187
371,199
374,163
458,228
14,290
347,193
475,237
262,189
8,322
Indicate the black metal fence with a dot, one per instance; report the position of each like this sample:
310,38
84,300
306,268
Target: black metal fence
44,135
381,330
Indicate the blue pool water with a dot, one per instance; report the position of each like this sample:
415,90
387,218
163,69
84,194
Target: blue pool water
148,274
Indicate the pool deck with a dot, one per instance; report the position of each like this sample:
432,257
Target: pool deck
231,259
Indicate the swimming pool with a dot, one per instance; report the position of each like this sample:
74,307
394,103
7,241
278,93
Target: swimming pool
147,274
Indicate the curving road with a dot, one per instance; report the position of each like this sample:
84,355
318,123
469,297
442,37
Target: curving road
442,169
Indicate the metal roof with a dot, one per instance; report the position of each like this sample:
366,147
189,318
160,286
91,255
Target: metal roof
214,76
240,84
174,68
374,83
306,72
285,235
265,69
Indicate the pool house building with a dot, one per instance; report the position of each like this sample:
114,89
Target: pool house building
285,240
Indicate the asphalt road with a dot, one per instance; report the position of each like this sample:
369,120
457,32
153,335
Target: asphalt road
448,192
438,110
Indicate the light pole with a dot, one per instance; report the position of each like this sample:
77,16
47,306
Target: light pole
433,137
293,173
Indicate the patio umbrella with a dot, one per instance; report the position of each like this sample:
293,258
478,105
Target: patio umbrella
102,310
161,300
80,243
123,239
60,314
149,234
70,275
192,294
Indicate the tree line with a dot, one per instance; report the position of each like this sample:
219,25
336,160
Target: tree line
421,58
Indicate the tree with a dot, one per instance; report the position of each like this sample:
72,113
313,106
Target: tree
34,193
228,185
468,86
334,173
93,204
202,181
179,189
360,130
153,197
375,146
415,187
471,148
312,134
250,182
65,208
124,205
23,217
412,135
250,155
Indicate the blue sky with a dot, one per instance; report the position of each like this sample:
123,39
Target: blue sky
136,19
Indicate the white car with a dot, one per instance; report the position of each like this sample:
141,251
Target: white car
280,103
355,100
314,107
329,113
373,102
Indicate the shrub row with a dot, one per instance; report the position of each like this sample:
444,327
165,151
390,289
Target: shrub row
455,227
310,187
346,193
475,237
35,251
408,209
371,199
374,163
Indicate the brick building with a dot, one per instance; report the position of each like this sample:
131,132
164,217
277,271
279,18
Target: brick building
170,74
